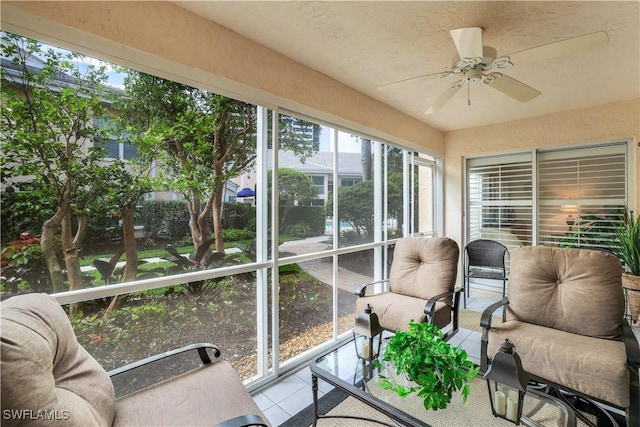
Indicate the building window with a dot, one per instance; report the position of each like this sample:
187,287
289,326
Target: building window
117,147
318,181
348,182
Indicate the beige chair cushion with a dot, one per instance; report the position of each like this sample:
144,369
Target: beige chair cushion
395,311
203,397
46,371
573,290
593,366
424,267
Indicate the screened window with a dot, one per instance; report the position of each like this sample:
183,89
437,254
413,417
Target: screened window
287,264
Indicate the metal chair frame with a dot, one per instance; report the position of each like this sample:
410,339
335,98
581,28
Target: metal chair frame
488,257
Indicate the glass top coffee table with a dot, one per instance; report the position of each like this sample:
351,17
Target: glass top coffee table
360,380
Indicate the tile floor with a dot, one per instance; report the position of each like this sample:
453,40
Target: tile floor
290,395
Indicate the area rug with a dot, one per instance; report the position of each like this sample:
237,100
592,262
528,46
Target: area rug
475,412
325,404
470,319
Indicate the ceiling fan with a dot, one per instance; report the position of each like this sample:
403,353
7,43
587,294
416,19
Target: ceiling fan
474,61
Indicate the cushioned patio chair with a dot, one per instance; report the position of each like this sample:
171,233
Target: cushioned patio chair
421,286
47,374
565,315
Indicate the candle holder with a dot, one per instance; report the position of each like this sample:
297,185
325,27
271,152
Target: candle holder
507,382
367,334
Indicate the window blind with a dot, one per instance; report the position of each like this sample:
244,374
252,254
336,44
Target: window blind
582,193
500,199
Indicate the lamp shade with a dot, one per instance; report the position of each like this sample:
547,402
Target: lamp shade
569,208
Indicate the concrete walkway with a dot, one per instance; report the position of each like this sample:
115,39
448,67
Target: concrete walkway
321,269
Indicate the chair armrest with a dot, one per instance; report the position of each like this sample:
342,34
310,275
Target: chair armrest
362,289
200,348
431,302
487,314
631,346
244,421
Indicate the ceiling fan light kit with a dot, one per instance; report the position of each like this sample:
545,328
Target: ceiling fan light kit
474,59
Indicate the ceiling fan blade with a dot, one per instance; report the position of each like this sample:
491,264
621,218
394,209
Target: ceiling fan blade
513,88
580,44
468,42
414,79
443,99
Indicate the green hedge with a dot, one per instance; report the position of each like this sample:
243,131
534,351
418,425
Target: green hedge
313,216
239,215
170,216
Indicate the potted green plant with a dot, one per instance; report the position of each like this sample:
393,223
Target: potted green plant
627,248
435,368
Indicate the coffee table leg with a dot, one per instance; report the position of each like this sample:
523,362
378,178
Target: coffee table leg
314,388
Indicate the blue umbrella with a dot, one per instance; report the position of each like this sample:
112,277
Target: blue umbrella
246,192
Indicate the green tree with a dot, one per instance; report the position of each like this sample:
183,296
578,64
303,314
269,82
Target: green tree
48,106
355,204
201,139
295,188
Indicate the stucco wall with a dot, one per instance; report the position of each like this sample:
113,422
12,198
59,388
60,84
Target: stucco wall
602,123
169,41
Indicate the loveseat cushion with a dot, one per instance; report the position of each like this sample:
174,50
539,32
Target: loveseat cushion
424,267
47,377
593,366
205,396
574,290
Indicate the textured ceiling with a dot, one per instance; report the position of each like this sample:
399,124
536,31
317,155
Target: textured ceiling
364,44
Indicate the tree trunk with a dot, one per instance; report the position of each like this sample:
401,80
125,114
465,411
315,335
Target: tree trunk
71,259
81,231
131,255
70,252
130,249
48,248
217,217
194,223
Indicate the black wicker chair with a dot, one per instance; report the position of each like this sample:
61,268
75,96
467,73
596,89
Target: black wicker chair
484,259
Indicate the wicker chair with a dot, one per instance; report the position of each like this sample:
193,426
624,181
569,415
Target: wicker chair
421,286
484,259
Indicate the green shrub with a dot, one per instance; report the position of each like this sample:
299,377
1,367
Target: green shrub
312,216
301,229
236,234
170,216
239,215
